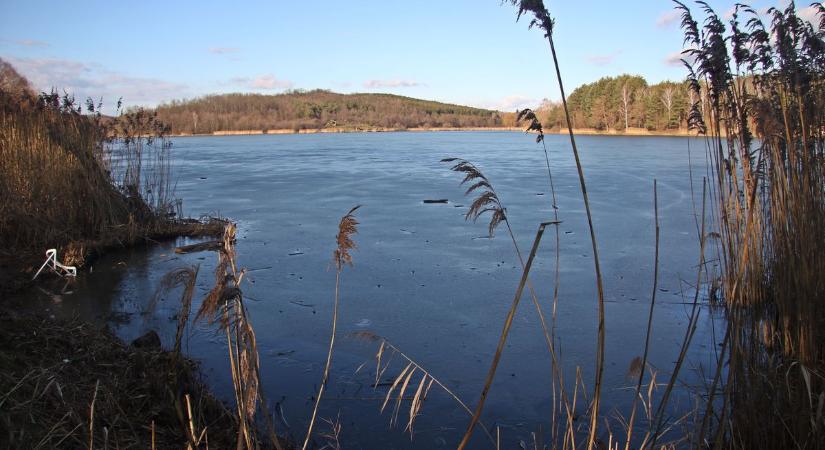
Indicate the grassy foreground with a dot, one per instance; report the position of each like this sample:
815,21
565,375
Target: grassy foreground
68,385
85,184
80,182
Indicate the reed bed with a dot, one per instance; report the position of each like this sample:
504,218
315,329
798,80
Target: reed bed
81,182
765,122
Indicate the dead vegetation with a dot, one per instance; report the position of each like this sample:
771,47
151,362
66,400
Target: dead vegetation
69,385
81,182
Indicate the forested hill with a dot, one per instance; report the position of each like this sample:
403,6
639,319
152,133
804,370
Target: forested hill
312,110
611,104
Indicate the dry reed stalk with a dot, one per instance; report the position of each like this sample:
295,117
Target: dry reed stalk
92,417
544,21
503,339
653,432
643,362
182,276
534,125
224,304
333,436
415,406
347,227
488,201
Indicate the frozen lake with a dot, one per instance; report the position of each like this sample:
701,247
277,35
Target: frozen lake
424,278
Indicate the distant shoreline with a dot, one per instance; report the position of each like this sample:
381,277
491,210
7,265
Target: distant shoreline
635,132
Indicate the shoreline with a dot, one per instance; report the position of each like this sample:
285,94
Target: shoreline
631,132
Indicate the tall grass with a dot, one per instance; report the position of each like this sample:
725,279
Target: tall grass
543,20
766,127
51,180
347,227
224,304
69,174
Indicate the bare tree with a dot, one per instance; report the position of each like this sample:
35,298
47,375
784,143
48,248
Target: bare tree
667,101
625,105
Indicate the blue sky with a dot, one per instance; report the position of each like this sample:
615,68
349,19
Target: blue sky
462,51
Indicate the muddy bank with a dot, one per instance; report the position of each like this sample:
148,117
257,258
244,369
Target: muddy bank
18,266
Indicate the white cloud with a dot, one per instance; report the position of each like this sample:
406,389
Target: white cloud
809,14
378,84
263,82
223,50
603,60
91,80
31,43
668,18
675,59
509,103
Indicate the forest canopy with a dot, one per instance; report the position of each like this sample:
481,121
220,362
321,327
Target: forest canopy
626,101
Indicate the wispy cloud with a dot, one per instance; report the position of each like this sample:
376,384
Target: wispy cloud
263,82
603,60
509,103
31,43
675,59
378,84
92,80
809,14
667,19
224,50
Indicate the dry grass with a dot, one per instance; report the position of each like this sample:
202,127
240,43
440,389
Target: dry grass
347,227
765,122
81,182
543,20
69,385
224,305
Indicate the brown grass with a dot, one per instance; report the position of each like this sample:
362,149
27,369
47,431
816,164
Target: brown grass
69,385
766,85
82,183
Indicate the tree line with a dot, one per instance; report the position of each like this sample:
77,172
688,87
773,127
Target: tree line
626,101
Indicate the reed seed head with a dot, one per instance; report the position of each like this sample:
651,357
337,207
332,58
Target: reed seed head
346,228
487,200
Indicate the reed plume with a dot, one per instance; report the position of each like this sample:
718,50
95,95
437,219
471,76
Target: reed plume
182,276
487,199
543,20
347,227
224,304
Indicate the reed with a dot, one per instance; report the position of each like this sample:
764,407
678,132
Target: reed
224,304
487,200
766,142
543,20
81,182
347,227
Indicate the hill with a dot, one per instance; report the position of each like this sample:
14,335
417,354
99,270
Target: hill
318,109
